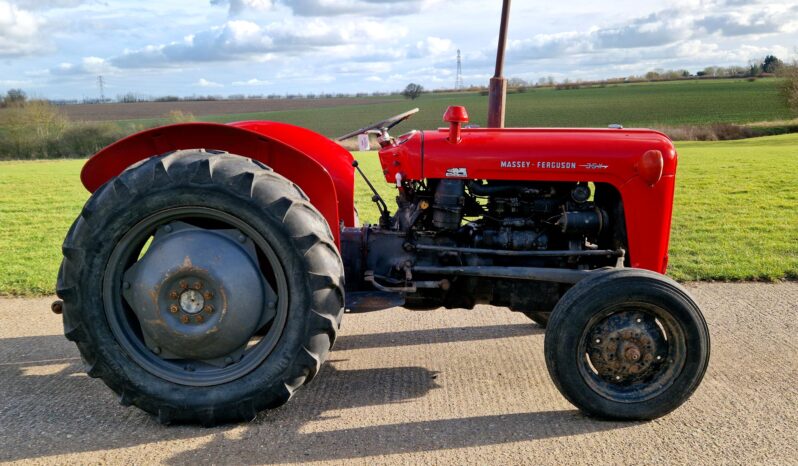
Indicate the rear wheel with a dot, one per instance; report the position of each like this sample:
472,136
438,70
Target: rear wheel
627,344
201,287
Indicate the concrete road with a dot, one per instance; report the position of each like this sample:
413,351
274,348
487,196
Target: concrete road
450,387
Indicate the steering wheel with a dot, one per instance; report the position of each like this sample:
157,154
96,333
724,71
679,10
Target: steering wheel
382,126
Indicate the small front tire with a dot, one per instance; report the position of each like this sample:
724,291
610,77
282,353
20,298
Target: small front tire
627,344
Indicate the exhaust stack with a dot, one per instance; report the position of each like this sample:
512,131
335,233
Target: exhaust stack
497,91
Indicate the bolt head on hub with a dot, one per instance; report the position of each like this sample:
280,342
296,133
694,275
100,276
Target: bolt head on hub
632,354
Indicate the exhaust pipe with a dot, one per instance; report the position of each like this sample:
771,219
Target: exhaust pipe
497,91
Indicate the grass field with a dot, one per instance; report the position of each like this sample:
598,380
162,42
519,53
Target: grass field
660,104
736,214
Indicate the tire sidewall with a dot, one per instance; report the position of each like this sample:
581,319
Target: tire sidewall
110,223
566,330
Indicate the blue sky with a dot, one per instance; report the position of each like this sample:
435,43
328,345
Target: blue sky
56,48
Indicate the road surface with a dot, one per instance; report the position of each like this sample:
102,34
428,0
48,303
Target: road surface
442,387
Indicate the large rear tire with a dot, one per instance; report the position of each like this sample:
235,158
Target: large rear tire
272,235
627,344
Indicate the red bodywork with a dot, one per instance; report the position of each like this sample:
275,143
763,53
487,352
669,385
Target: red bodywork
629,160
322,168
640,164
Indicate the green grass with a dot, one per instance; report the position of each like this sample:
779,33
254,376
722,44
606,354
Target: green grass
38,202
673,103
736,213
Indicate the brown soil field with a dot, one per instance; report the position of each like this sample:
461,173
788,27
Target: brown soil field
139,110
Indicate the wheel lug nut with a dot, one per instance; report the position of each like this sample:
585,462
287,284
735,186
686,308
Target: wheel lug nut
208,308
173,308
184,319
167,228
157,350
241,238
208,295
183,284
198,286
173,295
126,285
198,318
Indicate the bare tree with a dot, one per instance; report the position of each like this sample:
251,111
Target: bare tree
789,86
14,98
413,91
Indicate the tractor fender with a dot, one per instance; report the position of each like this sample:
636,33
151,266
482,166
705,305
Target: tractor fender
322,168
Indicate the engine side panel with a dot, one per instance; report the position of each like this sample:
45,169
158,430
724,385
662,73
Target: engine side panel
527,154
317,165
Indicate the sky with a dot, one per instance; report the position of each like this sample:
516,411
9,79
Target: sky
56,48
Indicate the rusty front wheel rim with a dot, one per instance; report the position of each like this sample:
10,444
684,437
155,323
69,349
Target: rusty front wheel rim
632,352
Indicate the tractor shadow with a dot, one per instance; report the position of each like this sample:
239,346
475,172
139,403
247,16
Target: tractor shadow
48,406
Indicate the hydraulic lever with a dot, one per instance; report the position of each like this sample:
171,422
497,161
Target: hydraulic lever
385,216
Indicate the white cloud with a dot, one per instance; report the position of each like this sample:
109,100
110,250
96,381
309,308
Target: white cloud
434,46
252,82
236,7
233,40
50,4
14,83
327,8
206,83
246,40
87,66
768,20
19,31
670,33
368,67
302,46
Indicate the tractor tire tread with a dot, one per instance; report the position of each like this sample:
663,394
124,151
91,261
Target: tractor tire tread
258,184
606,281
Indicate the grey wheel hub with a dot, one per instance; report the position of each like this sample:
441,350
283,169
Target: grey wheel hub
199,294
191,301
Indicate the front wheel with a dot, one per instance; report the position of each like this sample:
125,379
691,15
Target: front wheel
627,344
201,287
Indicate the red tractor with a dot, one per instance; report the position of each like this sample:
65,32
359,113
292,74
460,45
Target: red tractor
208,283
204,285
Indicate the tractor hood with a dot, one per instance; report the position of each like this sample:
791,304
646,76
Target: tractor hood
557,154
